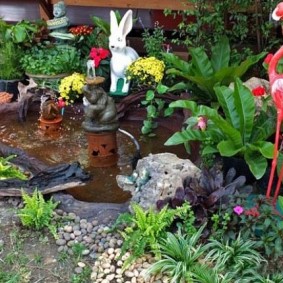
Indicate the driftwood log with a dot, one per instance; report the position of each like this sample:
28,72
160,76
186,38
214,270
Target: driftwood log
102,212
45,179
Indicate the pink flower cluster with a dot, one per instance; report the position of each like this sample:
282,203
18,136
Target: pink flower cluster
98,54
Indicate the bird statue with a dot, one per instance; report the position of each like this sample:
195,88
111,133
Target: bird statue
276,86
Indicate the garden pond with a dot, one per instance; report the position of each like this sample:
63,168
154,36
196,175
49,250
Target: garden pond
70,144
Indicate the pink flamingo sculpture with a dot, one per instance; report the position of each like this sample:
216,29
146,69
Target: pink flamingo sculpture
276,85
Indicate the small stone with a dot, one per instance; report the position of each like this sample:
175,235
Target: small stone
60,242
85,252
110,277
67,236
77,232
129,274
78,270
81,264
1,243
68,228
72,215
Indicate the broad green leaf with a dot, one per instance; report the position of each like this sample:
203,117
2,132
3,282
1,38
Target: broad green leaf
184,136
209,150
179,86
220,56
168,112
151,111
228,148
161,89
264,125
265,148
245,105
257,163
200,62
245,65
177,63
226,100
149,95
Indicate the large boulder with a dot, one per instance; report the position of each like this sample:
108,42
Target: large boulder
156,177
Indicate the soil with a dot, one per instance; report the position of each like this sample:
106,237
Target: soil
28,256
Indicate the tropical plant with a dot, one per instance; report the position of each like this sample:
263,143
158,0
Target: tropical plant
37,213
201,74
180,256
8,170
236,132
234,255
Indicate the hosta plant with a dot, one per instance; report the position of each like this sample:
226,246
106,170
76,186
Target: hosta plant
202,73
232,130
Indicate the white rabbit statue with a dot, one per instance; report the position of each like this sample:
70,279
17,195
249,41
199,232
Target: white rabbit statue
122,55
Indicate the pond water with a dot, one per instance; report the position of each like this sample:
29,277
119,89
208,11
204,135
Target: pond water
69,145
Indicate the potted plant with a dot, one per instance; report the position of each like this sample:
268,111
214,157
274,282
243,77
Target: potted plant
47,63
13,41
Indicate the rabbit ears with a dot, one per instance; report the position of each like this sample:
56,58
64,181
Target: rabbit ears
126,23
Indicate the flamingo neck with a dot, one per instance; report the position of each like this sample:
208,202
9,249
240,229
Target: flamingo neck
273,75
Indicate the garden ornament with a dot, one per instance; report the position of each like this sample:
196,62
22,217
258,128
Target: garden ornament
90,69
49,110
277,13
100,109
60,21
276,85
122,55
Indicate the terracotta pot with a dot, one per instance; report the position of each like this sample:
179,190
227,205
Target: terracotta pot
102,149
50,126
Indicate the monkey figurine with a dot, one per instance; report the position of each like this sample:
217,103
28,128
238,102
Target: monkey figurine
49,109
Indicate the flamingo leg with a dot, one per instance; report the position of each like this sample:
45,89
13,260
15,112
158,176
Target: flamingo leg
275,155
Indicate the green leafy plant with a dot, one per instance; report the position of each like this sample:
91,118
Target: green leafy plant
154,107
202,73
258,220
240,21
180,255
235,132
255,277
145,229
37,213
154,42
44,59
8,170
234,255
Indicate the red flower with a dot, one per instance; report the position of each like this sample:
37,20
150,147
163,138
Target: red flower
252,212
81,30
268,58
98,54
258,91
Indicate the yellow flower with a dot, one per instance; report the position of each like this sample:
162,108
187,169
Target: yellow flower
71,87
146,70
